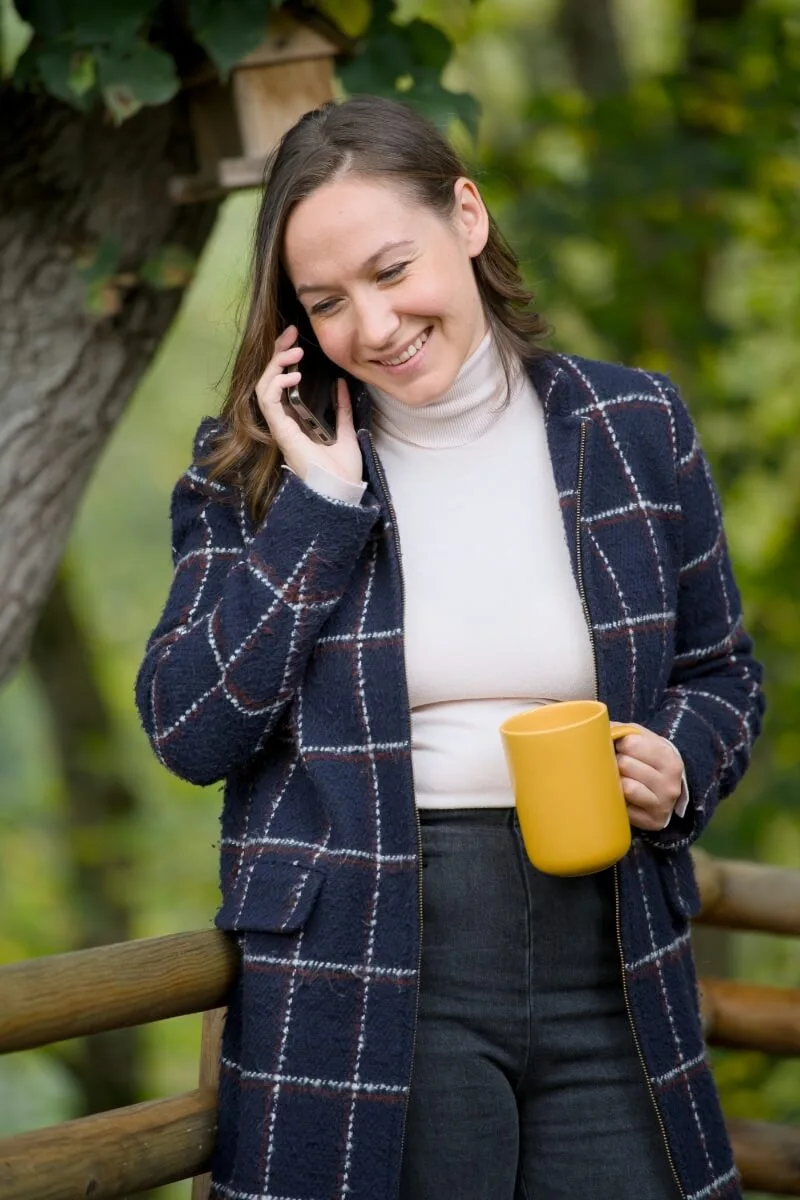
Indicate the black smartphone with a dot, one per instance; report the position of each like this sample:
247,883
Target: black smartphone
314,426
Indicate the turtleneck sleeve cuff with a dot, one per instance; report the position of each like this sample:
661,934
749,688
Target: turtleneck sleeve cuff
333,487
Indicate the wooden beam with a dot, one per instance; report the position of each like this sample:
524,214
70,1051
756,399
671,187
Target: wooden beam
113,1154
236,173
768,1156
210,1047
745,895
112,987
751,1016
194,189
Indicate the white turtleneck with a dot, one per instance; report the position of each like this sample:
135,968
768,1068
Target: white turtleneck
493,619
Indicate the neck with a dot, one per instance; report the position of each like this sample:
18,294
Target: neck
468,408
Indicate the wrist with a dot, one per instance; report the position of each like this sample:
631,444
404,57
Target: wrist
333,485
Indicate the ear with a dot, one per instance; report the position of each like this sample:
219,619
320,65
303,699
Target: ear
470,216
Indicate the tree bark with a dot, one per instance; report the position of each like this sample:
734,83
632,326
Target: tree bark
592,43
68,183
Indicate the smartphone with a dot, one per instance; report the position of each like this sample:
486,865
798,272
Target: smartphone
315,427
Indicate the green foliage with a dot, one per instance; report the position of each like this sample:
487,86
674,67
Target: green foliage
228,31
82,51
171,266
408,59
86,52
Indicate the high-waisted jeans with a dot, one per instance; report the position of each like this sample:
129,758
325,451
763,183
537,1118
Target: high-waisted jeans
526,1082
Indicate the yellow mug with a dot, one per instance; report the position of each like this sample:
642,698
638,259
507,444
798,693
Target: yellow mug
570,805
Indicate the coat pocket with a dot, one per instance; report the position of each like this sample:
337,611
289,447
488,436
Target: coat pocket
271,895
680,884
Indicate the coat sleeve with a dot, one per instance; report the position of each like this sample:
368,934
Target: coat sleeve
243,613
713,705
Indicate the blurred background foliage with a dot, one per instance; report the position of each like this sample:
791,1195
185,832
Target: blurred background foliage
652,192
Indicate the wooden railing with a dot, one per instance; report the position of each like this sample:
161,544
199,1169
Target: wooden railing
116,1154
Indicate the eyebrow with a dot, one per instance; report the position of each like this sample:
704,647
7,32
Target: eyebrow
367,265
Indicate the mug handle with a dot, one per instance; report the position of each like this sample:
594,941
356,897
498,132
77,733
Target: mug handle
619,731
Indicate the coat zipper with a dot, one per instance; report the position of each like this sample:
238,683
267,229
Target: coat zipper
396,538
617,905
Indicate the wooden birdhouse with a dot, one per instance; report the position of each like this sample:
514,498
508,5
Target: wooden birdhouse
237,123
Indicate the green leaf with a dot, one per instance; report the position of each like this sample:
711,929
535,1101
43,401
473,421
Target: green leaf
15,35
100,262
142,74
351,16
427,46
82,75
50,18
114,24
228,29
120,102
386,57
55,66
441,106
171,267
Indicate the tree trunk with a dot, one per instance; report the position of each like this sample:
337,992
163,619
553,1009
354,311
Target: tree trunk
592,43
68,185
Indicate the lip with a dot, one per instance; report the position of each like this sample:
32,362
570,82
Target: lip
410,363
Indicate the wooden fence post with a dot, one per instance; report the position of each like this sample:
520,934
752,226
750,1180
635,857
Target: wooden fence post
210,1046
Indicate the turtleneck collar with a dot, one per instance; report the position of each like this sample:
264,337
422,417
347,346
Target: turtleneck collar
469,407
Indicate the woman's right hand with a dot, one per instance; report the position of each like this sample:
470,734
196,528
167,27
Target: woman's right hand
299,451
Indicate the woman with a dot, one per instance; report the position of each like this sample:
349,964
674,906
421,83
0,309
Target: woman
560,539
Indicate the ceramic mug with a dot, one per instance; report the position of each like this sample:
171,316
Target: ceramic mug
568,792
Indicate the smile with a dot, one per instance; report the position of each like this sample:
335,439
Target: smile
409,352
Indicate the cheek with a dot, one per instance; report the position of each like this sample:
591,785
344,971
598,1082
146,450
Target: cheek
333,342
434,296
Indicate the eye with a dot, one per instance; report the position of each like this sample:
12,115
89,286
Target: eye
392,273
323,308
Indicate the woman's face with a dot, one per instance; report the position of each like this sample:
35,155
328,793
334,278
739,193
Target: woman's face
388,284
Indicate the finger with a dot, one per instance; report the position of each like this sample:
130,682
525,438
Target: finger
344,409
638,745
286,337
281,425
639,794
634,768
642,819
277,366
650,748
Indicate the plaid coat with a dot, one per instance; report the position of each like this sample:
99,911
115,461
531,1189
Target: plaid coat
278,666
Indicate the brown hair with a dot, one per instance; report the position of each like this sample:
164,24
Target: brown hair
373,137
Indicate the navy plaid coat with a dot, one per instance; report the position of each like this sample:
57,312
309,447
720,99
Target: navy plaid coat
278,666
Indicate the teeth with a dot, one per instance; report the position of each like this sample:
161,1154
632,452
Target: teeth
409,352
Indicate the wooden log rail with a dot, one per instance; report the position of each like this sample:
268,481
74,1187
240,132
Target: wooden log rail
116,1154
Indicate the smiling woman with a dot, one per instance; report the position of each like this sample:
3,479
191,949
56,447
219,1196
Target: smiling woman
407,315
370,237
420,1012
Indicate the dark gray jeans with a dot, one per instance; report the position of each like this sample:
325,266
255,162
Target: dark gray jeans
526,1083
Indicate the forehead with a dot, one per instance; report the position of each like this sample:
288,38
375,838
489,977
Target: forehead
342,223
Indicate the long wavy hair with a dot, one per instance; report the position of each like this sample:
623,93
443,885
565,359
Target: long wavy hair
370,137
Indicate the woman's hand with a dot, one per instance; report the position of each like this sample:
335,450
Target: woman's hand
652,777
299,451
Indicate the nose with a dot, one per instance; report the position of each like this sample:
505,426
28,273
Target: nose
376,322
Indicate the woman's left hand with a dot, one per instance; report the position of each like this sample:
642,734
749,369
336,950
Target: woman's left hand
652,777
